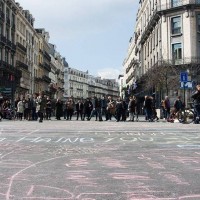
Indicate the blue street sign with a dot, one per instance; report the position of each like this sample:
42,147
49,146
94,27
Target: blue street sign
187,85
184,77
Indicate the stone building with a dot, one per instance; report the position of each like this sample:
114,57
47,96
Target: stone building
9,74
44,60
24,51
165,43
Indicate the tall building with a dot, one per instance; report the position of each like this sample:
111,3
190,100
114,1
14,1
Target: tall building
165,43
45,60
24,51
9,74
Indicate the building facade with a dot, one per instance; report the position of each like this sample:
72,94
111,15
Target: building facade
81,85
9,74
24,51
165,42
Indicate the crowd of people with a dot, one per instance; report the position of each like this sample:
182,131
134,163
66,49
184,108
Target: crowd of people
40,107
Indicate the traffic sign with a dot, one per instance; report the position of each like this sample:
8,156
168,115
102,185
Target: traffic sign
187,85
184,77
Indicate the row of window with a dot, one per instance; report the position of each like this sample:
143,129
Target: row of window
8,57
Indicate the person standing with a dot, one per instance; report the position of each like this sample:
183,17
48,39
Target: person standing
20,109
79,109
111,108
70,109
131,108
119,109
196,97
48,109
178,106
166,107
59,109
87,107
103,108
41,106
148,108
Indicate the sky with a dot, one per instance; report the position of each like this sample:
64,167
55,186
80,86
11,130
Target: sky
92,35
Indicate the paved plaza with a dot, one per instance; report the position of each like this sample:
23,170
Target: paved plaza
91,160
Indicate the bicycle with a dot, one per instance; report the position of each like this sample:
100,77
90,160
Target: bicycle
186,116
8,114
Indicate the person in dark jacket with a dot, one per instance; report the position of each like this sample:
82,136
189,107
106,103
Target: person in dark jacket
48,109
59,109
119,109
196,97
70,108
104,107
148,108
87,107
79,109
96,109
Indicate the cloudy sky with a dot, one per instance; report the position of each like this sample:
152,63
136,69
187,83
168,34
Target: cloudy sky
92,35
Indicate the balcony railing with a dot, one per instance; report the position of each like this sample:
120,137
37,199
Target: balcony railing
47,66
37,79
21,47
164,7
9,43
3,39
47,56
10,68
13,47
21,65
46,79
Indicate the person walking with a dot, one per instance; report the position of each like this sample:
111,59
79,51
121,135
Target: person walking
196,98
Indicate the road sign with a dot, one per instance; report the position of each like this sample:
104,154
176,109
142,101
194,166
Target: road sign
187,85
184,77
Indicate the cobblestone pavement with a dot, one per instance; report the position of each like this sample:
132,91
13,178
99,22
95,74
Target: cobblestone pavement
91,160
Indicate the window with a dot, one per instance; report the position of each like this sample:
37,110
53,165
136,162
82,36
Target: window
198,22
6,56
7,33
12,60
176,3
1,28
176,25
0,53
177,51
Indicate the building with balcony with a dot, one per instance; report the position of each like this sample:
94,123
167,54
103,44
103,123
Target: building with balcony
24,50
78,83
81,85
44,59
9,74
165,43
